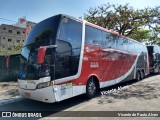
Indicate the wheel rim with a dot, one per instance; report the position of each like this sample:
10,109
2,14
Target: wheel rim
91,87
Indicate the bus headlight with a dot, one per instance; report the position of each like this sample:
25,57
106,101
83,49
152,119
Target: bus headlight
43,85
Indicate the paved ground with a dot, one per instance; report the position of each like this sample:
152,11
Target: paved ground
132,96
8,90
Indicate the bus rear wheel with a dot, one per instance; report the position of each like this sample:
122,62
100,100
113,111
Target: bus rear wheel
138,76
142,74
91,88
159,70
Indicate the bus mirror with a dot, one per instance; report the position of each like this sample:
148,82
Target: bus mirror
41,54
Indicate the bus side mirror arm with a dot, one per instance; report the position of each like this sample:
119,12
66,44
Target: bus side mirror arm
51,46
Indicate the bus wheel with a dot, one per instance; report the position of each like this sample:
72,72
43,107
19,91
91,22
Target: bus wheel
91,88
138,76
159,70
142,74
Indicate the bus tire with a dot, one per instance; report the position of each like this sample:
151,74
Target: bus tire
142,74
138,76
91,88
159,70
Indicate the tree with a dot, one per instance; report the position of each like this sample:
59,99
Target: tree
15,50
141,35
125,20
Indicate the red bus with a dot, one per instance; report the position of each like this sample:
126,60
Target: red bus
64,57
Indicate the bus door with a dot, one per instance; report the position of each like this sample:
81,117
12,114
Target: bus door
67,56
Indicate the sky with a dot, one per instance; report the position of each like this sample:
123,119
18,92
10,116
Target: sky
38,10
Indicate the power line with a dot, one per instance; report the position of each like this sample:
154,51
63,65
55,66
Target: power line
3,21
7,20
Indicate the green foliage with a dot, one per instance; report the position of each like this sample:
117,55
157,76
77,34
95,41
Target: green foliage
155,40
140,35
126,20
15,50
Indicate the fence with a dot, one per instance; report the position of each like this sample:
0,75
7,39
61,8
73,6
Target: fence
9,67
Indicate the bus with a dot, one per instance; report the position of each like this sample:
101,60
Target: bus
154,58
64,57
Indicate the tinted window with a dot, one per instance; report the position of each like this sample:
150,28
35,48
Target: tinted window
131,46
109,40
120,42
125,44
137,47
113,41
70,31
105,40
140,48
44,31
93,36
68,48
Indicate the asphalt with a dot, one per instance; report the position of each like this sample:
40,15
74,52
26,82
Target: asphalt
137,96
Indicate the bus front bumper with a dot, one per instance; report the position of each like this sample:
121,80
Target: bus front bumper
43,94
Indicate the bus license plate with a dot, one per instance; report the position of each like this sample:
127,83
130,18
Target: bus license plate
27,94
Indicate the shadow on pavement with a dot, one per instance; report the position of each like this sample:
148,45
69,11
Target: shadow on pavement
140,91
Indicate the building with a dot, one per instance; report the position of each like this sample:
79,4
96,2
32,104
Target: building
23,23
12,35
29,26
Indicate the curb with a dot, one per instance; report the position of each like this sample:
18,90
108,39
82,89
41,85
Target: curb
11,100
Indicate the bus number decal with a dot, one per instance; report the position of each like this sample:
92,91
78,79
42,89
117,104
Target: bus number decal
94,64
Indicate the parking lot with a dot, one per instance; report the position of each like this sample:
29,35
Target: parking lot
129,96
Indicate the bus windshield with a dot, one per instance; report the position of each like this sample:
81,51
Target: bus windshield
66,34
42,34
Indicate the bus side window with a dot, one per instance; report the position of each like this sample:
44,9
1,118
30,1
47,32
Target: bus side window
131,47
114,39
109,40
106,41
125,44
120,43
71,32
93,36
68,48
